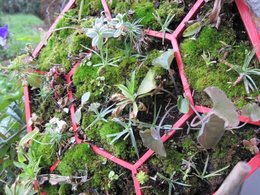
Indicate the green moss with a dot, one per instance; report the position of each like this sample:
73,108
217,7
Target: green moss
50,190
145,11
121,7
79,157
46,152
200,76
56,52
171,8
79,39
90,7
64,23
99,133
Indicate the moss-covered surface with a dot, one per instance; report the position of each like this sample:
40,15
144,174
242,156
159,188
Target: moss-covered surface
80,157
228,152
144,10
201,76
65,44
44,150
99,132
102,84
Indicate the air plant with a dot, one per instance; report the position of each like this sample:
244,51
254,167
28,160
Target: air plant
171,182
129,94
245,72
20,187
165,25
207,59
99,115
55,128
128,131
203,175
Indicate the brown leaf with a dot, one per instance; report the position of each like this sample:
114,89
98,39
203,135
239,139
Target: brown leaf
214,15
142,107
118,110
117,97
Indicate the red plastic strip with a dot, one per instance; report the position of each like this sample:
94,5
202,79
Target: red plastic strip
158,34
50,31
54,166
72,108
203,109
136,183
184,80
109,156
106,9
27,107
254,164
249,25
193,11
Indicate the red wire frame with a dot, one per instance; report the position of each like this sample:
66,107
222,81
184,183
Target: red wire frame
253,34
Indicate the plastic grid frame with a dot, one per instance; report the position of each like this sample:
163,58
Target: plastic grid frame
253,34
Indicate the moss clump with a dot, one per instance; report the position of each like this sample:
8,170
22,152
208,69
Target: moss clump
45,151
56,52
201,76
99,133
145,11
90,7
80,157
79,39
51,190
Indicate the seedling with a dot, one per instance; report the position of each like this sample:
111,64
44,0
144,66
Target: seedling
245,72
203,175
128,131
84,99
207,59
171,182
20,187
165,25
130,95
99,115
142,177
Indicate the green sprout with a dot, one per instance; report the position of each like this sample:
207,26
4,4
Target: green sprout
207,59
142,177
245,72
165,25
171,182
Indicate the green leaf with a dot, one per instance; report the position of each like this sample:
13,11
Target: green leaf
252,111
155,144
131,83
28,137
20,155
223,107
165,59
211,131
84,98
183,105
192,29
78,115
35,80
148,83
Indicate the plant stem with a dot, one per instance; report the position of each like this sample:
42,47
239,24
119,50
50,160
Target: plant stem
173,80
